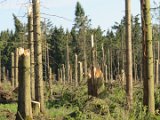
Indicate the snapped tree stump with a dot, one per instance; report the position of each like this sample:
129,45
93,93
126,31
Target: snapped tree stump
24,93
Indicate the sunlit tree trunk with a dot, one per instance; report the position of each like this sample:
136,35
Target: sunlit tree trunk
129,78
39,93
31,47
149,55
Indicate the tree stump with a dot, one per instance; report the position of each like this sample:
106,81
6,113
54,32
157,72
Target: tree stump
24,93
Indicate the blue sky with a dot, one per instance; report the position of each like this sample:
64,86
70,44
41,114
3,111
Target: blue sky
102,12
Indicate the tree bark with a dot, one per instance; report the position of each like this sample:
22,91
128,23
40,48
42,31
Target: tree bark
129,86
80,72
76,67
24,96
149,57
85,56
156,72
16,68
39,93
144,60
31,47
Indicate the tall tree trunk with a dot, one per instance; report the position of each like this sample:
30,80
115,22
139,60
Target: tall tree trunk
47,60
75,69
70,74
156,72
39,93
16,68
80,72
144,60
84,55
149,55
31,47
67,61
64,74
50,81
129,86
12,69
92,86
103,63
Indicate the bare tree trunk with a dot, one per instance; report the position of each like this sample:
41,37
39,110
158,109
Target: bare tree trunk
111,74
103,63
141,73
149,57
85,56
16,68
67,61
76,67
129,86
39,93
109,68
47,61
61,76
64,75
106,75
70,73
92,84
144,60
80,72
12,69
31,47
7,74
24,94
156,72
50,81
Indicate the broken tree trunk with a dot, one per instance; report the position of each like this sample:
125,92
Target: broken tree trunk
24,93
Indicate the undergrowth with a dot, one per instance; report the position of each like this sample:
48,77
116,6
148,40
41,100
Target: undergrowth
71,103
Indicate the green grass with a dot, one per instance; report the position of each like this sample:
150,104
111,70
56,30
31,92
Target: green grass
73,104
8,111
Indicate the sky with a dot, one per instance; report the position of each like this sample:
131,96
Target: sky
102,13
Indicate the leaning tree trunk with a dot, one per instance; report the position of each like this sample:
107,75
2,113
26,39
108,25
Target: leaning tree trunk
129,85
